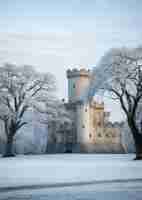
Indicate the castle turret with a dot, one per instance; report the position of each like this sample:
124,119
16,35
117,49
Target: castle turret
78,84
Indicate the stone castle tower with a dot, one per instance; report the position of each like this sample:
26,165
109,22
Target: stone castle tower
90,130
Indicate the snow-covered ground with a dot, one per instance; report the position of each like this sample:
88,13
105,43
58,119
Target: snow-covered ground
111,191
67,168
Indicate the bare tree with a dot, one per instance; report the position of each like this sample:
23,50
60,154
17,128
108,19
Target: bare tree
20,89
120,73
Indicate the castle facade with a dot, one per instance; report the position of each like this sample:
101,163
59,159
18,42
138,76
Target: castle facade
90,130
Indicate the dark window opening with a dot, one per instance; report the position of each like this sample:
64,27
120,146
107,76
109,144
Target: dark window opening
99,123
99,135
107,135
68,148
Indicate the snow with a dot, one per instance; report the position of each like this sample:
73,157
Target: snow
67,168
117,191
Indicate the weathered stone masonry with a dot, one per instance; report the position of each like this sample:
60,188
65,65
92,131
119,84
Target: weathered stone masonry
90,131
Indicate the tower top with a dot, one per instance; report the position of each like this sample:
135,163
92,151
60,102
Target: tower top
78,72
78,83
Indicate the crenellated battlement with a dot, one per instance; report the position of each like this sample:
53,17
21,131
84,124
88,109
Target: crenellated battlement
97,105
78,72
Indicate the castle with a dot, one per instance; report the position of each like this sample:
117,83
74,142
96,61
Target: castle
90,130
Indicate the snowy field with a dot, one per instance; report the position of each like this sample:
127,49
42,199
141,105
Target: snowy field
53,170
111,191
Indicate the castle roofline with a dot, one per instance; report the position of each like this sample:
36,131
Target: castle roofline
97,105
78,72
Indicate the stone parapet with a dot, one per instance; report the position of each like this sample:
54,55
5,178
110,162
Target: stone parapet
78,72
96,105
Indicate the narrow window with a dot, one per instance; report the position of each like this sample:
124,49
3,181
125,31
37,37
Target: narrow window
99,123
107,134
90,136
99,135
74,85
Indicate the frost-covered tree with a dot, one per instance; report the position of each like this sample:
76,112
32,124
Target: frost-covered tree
54,114
120,73
127,138
56,111
20,89
58,116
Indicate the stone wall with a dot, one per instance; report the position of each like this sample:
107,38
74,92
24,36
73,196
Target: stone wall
90,131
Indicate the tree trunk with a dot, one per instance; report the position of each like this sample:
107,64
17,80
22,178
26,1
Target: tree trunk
138,144
137,139
9,147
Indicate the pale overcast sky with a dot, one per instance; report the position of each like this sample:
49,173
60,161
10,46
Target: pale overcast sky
54,35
